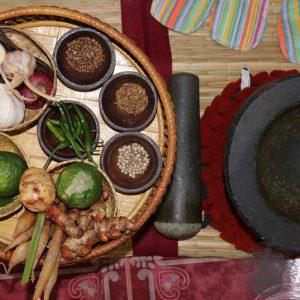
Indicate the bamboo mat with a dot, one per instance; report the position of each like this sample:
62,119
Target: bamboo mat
215,65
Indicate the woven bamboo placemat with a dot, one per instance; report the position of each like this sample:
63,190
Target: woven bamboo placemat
215,65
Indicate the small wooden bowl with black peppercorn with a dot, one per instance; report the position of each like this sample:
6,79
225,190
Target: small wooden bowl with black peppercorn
132,161
48,141
128,101
84,58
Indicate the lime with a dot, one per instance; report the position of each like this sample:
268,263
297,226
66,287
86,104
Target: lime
79,185
12,166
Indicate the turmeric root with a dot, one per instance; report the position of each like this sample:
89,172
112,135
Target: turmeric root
98,211
25,221
37,189
104,230
22,238
19,255
67,224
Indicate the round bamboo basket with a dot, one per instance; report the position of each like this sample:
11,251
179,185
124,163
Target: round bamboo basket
25,42
7,144
137,208
112,207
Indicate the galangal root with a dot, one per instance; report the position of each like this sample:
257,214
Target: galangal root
37,189
101,231
25,222
76,222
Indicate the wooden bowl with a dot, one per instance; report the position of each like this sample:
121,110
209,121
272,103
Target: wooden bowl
84,81
119,119
112,209
47,140
7,144
18,39
123,183
262,166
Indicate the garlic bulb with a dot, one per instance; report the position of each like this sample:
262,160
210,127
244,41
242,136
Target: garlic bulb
2,53
12,110
18,65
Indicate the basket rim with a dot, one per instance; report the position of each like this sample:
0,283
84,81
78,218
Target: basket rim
156,78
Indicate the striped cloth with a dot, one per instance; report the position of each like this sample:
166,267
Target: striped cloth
184,16
239,24
288,30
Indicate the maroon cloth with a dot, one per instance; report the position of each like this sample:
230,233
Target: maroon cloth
214,129
152,37
147,278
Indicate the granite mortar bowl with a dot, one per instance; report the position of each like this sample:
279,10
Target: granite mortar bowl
118,119
47,140
84,81
122,182
262,165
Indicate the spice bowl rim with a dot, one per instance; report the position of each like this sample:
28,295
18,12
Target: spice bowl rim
150,183
98,83
43,118
147,121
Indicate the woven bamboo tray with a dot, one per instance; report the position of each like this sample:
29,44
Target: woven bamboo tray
47,25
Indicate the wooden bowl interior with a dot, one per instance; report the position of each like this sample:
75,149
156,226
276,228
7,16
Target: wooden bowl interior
83,78
48,141
278,165
121,181
120,118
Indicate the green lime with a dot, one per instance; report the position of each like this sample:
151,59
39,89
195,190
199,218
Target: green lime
12,166
79,185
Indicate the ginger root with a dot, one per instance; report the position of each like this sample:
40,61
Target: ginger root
37,189
99,231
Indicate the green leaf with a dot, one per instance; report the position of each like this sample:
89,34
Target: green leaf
33,247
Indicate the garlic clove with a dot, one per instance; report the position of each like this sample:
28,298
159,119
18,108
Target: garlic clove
2,53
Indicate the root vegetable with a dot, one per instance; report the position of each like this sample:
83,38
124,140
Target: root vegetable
22,238
25,221
37,189
67,224
98,210
50,259
84,220
44,239
51,282
41,81
104,230
19,255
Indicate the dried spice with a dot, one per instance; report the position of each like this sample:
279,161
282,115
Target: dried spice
84,54
131,98
133,160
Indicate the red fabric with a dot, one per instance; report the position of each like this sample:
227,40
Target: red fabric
214,126
152,37
147,278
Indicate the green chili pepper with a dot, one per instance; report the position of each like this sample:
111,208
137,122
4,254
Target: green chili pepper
55,131
78,126
71,123
65,126
59,147
86,132
54,122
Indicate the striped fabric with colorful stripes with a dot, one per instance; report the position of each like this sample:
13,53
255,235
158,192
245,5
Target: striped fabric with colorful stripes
241,25
289,30
184,16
